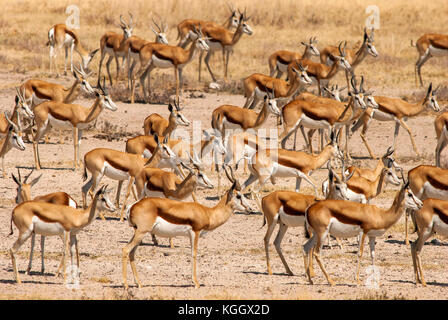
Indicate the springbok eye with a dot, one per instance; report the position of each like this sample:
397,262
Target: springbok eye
238,196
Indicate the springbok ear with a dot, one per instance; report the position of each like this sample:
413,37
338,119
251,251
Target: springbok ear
17,99
170,107
156,138
165,139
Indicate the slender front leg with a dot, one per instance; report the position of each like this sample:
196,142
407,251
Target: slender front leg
128,191
277,244
194,238
360,251
33,237
404,125
129,252
75,144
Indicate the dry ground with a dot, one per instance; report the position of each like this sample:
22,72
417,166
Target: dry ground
231,259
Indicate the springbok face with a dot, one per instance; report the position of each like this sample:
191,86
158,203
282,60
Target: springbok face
371,102
81,77
103,95
179,118
126,27
203,180
334,92
391,177
15,138
370,47
337,186
165,151
234,19
431,98
24,188
410,200
356,94
310,47
216,140
22,105
337,152
104,202
161,33
88,58
302,75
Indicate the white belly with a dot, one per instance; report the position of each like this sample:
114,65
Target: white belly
343,230
439,226
163,228
114,173
431,192
56,123
282,67
214,45
161,63
376,233
154,194
314,124
230,125
45,228
290,220
72,203
68,40
284,171
383,116
437,52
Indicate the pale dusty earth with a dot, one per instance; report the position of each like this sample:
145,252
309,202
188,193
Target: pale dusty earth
231,259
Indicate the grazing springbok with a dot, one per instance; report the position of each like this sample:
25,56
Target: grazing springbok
54,219
60,36
346,219
171,218
24,194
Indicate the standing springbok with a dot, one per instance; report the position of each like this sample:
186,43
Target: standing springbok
54,219
272,163
279,60
62,115
24,194
157,55
112,44
60,36
287,209
133,45
429,45
354,57
281,88
346,219
397,110
220,38
430,219
156,124
171,218
320,71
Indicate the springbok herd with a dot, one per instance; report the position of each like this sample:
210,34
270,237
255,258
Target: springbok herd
162,173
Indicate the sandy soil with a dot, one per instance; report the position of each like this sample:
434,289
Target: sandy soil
231,259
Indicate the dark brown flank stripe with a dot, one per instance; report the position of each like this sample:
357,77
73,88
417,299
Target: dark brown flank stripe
281,60
344,219
172,219
162,57
292,211
116,164
436,45
314,116
152,187
287,162
442,215
264,86
436,184
39,94
109,45
59,117
355,188
134,50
